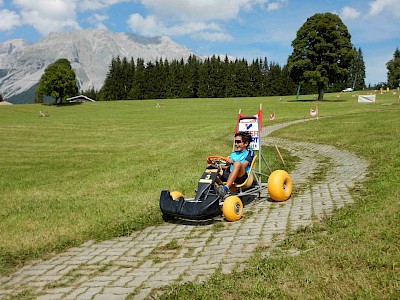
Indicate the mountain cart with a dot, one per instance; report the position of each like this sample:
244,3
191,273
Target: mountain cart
207,202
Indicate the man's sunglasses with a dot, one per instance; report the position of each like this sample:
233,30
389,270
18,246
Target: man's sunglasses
238,141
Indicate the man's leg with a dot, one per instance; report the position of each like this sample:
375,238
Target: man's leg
238,171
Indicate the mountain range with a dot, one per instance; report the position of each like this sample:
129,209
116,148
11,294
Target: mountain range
89,51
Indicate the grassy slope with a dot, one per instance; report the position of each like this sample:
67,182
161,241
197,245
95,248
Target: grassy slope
96,170
352,254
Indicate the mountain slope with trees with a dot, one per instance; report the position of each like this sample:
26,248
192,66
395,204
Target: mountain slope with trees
210,78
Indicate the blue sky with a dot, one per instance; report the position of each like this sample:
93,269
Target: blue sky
241,28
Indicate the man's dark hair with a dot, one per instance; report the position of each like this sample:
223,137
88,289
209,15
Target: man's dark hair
246,137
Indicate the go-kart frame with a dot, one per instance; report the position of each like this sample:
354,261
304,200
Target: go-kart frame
207,203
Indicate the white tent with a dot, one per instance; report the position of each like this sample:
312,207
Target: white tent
80,98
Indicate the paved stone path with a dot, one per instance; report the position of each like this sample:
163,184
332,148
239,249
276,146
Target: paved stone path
135,266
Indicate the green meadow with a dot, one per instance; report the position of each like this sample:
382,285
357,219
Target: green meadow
95,171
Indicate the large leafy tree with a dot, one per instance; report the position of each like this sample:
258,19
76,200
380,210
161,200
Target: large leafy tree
322,52
58,81
393,66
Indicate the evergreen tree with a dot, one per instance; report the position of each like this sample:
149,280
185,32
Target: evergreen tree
174,80
119,87
138,85
192,77
131,76
183,83
167,79
160,82
274,84
356,72
215,73
289,87
114,85
150,88
230,78
126,81
265,72
204,79
256,78
393,66
242,78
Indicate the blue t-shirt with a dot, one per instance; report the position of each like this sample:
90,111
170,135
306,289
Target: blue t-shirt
242,157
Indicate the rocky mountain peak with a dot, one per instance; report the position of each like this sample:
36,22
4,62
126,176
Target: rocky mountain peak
89,51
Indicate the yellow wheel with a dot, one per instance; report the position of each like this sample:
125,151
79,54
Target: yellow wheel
176,195
232,209
279,185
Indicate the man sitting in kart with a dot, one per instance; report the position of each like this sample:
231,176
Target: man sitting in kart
238,163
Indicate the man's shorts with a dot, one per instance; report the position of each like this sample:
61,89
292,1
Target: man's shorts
238,180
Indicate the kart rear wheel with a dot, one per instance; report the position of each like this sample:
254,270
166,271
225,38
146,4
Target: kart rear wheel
279,185
176,195
232,209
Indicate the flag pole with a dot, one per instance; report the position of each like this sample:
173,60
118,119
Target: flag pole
259,137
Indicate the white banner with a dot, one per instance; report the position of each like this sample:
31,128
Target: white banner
251,126
366,98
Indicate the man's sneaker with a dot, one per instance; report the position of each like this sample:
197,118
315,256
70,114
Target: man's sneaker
222,190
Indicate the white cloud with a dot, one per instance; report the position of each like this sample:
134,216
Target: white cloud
97,4
54,8
192,27
200,30
199,19
377,23
48,15
349,13
97,20
9,20
276,5
194,10
212,36
150,26
379,6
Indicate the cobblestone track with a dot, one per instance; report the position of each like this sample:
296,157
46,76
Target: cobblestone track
139,263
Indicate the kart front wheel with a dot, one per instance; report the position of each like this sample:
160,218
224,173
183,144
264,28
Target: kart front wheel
167,218
232,209
279,185
176,195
